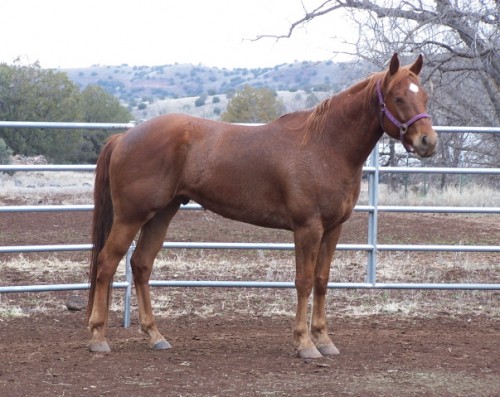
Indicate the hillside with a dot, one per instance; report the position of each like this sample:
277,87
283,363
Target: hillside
154,90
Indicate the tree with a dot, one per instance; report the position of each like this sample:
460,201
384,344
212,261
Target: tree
460,40
29,93
253,105
98,106
200,101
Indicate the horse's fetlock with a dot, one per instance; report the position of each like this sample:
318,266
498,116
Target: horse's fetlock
317,329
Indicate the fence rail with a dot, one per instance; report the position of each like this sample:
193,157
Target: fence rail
373,171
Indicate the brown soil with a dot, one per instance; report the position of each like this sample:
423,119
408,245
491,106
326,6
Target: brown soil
445,353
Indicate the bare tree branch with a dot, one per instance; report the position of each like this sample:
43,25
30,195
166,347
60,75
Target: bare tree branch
457,52
319,11
461,42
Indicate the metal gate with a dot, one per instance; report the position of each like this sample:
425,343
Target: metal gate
372,247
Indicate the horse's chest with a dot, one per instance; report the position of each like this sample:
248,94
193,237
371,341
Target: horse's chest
338,200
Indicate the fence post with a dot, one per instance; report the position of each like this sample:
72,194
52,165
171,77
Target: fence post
128,288
373,178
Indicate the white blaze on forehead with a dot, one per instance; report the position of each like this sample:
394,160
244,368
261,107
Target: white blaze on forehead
413,87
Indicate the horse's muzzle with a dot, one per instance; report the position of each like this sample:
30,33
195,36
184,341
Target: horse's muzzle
425,143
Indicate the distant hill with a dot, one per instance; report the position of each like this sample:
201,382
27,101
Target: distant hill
152,90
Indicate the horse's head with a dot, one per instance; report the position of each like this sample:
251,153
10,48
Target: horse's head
403,106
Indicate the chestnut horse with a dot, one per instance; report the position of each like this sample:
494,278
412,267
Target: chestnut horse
301,172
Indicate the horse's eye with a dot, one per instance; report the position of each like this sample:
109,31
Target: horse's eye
399,100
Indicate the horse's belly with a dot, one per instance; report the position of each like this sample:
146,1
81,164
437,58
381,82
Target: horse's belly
259,215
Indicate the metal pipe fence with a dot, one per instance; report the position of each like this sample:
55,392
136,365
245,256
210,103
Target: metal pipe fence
372,247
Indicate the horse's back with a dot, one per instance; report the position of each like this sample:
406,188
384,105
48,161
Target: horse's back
255,174
220,165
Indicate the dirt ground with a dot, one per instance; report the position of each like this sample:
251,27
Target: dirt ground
452,350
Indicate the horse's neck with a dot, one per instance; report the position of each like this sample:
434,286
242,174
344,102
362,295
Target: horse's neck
354,127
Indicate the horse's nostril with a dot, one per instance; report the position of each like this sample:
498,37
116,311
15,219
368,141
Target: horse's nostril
425,140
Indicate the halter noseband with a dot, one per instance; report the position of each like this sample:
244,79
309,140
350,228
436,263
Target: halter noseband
403,127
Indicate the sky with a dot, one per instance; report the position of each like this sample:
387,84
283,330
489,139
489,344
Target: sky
76,33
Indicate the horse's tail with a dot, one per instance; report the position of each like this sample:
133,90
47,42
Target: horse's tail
103,216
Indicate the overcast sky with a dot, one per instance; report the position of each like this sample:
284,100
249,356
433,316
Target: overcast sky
72,33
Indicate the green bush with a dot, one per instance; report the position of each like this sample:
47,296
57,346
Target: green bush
253,105
30,93
5,152
200,101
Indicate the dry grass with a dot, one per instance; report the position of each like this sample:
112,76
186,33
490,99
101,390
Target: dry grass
470,195
227,302
47,187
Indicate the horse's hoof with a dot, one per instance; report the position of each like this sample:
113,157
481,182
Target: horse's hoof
328,350
161,345
99,347
310,352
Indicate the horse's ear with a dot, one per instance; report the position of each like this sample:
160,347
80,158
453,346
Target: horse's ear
417,65
394,65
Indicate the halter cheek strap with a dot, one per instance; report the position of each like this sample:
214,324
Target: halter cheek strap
403,127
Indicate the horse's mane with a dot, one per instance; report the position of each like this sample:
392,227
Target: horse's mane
316,121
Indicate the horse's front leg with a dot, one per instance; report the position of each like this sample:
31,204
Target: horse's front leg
319,330
307,242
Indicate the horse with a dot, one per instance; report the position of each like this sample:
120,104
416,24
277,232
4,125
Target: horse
301,172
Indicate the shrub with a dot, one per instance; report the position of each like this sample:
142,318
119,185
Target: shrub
5,152
200,101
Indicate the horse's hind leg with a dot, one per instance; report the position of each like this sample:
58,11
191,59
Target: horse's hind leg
117,244
150,242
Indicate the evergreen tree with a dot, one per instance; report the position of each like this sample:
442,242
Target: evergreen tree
30,93
253,105
97,106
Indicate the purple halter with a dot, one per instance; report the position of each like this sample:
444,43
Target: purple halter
403,127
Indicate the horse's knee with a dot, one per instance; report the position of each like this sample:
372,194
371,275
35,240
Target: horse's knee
320,285
304,285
